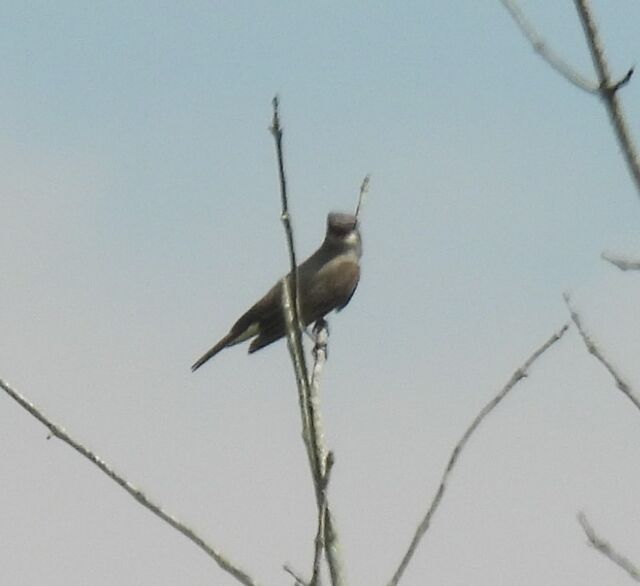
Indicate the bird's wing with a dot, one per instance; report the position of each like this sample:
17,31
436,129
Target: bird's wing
261,313
268,335
332,288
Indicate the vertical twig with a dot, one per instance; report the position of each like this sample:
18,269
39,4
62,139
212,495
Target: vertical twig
364,189
322,521
309,402
329,540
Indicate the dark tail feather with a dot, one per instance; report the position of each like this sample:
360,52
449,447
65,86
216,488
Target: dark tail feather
211,353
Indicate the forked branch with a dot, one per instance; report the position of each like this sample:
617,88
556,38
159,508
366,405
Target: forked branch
606,87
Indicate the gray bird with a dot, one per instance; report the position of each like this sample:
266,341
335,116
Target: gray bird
326,281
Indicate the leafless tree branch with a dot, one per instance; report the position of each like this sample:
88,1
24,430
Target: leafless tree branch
597,353
364,189
136,493
609,89
322,519
624,264
326,537
540,47
518,375
606,87
307,392
606,549
298,580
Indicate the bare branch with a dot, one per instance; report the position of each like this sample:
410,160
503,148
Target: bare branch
620,84
299,581
290,285
606,549
364,189
597,353
309,405
276,130
136,493
608,89
329,541
624,264
518,375
545,52
322,517
292,319
320,335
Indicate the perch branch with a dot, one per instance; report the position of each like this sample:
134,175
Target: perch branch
309,403
322,519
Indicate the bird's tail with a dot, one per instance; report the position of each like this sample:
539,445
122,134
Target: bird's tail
211,352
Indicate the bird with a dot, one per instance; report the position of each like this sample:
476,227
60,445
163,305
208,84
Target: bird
326,281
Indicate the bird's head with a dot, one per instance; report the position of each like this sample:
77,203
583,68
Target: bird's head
343,232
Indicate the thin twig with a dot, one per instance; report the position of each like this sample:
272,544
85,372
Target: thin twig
518,375
290,304
606,549
300,363
364,188
545,52
322,518
624,264
597,353
309,407
136,493
608,89
276,130
289,570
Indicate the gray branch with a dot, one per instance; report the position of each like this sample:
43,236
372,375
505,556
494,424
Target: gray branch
597,353
606,549
136,493
624,264
541,47
517,376
607,88
308,396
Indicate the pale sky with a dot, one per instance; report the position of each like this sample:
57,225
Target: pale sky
141,218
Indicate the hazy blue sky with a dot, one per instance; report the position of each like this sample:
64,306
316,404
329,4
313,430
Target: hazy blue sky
140,217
